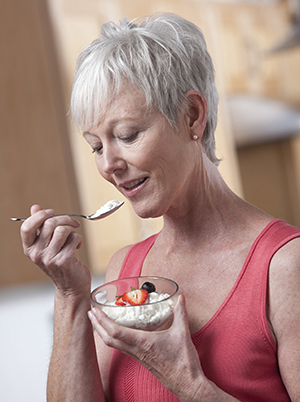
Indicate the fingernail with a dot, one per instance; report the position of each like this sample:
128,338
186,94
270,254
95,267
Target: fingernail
90,315
95,312
49,212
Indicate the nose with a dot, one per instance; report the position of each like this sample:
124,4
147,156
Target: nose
112,160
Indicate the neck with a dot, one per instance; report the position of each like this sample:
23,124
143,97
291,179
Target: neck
205,211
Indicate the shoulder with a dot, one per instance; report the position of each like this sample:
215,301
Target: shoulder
285,264
284,274
284,306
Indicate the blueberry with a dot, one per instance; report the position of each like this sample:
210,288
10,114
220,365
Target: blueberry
149,287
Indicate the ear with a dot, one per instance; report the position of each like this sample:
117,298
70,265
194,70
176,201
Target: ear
196,113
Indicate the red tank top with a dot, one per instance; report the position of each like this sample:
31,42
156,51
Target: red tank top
236,349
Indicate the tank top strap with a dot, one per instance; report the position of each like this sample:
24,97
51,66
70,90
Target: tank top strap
276,234
256,270
133,262
253,278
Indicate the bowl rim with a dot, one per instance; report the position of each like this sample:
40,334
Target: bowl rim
134,277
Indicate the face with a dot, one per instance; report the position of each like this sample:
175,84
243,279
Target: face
142,156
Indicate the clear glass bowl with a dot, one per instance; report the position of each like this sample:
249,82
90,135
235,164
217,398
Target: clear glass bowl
148,316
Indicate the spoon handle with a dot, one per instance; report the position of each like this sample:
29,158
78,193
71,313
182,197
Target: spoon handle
24,219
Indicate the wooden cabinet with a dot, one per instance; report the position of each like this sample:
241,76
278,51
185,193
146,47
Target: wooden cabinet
268,173
35,159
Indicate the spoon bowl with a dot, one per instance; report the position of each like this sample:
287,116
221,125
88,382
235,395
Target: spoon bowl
103,212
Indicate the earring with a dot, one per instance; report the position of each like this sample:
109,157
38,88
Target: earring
195,137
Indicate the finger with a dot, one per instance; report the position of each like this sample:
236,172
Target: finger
97,318
35,208
32,225
98,328
180,321
114,334
56,230
73,242
56,241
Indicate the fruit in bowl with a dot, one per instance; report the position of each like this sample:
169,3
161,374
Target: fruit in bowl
137,302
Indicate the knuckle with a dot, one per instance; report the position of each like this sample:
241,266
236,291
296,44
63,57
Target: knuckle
147,352
61,230
116,333
47,260
35,256
77,237
62,261
108,342
49,224
25,230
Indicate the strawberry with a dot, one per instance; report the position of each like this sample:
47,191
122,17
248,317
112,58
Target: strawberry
135,297
119,301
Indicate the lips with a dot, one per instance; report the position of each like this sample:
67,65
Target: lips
133,187
135,183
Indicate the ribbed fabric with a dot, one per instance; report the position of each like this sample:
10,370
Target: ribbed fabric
236,348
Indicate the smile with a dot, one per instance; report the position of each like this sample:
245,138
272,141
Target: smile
134,183
131,188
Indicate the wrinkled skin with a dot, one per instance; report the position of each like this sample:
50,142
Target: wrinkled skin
155,350
51,243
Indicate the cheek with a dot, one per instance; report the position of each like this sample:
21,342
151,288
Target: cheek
100,169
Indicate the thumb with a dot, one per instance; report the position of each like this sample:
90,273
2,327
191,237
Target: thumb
35,208
180,314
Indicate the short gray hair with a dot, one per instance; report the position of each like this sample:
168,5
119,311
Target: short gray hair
163,55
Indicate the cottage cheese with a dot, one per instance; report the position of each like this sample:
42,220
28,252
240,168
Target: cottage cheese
106,208
148,316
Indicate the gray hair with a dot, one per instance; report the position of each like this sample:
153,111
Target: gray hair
164,56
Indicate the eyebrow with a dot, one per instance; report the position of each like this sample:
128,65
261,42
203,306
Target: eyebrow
114,122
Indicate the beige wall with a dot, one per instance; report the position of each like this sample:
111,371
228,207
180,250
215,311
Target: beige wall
236,35
35,157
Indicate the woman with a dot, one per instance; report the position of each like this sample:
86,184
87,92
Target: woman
145,97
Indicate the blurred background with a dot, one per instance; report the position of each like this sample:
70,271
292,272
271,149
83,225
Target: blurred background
255,45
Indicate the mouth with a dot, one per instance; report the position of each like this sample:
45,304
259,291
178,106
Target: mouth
132,187
133,184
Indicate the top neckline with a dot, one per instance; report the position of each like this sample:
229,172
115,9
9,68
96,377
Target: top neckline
237,281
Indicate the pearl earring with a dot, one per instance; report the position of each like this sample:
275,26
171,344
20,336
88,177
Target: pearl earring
195,137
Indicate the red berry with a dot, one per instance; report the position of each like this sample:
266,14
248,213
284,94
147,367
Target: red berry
120,302
135,297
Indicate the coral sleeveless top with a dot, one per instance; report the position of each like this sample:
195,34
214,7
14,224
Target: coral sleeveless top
236,348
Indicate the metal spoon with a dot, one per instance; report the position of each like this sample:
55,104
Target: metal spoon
105,210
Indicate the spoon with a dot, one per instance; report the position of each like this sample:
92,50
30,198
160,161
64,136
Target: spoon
105,210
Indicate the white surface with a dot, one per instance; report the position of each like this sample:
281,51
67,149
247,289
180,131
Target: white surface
256,119
26,319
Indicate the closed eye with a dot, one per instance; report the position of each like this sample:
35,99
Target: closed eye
130,138
97,150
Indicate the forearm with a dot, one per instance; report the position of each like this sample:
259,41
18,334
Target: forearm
73,372
209,392
197,388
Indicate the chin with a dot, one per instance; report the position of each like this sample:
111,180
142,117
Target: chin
148,212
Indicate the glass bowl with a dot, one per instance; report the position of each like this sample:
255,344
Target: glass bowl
148,316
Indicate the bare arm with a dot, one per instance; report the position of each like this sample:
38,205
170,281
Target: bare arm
51,244
284,307
73,372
